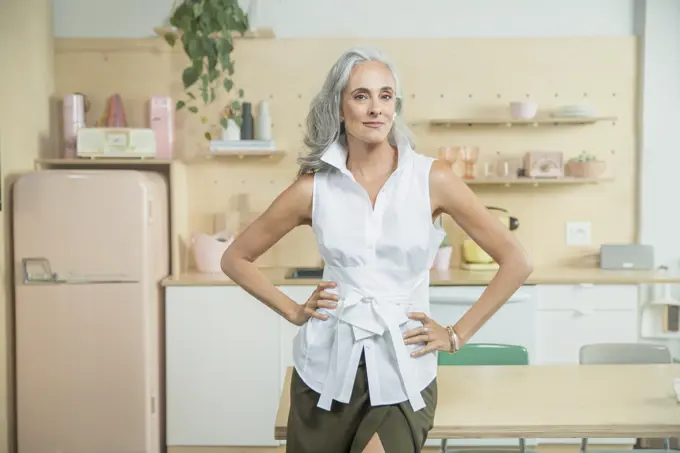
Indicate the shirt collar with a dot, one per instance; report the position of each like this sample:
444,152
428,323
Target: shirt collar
336,154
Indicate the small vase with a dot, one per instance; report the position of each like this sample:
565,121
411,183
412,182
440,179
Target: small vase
247,125
263,131
442,261
232,131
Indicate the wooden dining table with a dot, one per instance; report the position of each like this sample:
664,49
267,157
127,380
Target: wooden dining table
548,401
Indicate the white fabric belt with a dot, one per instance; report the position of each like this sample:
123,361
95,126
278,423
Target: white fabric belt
369,316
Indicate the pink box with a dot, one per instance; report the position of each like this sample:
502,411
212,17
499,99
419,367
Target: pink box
162,122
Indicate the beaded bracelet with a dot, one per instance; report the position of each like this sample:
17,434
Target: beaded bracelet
453,339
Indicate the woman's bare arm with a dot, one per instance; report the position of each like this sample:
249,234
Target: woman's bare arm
450,195
290,209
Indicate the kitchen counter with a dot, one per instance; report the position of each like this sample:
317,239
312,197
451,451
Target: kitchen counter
456,277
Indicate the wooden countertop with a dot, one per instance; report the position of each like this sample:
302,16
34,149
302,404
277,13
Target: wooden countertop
547,401
457,277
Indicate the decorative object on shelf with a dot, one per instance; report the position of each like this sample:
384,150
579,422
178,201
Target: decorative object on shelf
543,164
523,110
75,106
660,316
573,111
469,156
449,153
232,132
112,142
114,115
247,124
206,29
263,131
442,260
208,251
162,123
586,165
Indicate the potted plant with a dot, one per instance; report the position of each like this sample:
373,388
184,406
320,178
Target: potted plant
206,29
585,165
442,260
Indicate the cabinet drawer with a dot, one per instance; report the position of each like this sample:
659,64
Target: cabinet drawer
587,298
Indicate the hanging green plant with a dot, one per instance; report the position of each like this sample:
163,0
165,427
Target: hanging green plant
206,29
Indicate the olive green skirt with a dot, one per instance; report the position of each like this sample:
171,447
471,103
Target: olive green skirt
347,428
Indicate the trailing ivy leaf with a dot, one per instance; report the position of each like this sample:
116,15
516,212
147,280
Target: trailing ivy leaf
204,88
224,122
191,74
207,136
213,95
191,95
241,93
213,74
193,109
170,38
235,105
228,84
180,105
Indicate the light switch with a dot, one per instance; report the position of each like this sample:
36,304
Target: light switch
578,233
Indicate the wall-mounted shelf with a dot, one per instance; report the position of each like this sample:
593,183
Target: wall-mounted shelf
520,181
110,162
249,153
260,33
509,122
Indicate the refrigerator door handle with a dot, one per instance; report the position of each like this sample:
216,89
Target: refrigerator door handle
37,271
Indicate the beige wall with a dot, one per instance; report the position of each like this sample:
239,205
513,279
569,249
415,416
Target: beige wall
26,84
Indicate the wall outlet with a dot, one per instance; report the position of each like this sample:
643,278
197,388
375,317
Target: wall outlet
578,233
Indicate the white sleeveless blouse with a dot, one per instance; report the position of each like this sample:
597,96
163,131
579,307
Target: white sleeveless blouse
380,259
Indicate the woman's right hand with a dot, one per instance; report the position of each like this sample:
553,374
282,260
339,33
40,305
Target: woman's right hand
320,298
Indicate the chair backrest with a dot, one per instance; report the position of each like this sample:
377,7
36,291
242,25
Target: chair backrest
623,353
486,354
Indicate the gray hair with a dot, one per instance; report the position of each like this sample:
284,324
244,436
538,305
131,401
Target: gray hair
323,120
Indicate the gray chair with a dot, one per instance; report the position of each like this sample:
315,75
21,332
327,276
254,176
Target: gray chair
624,354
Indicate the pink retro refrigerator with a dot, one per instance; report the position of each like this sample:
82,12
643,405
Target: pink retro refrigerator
90,249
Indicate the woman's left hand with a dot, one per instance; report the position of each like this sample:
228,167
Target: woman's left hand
434,336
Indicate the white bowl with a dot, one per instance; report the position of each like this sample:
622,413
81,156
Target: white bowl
523,110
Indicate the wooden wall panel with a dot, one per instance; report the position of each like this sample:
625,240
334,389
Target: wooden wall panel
440,78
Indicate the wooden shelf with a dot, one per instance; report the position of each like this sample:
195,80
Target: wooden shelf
260,33
249,153
83,161
567,180
509,122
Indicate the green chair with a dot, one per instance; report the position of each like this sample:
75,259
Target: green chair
485,354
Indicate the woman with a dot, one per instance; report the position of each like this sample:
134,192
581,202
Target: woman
366,353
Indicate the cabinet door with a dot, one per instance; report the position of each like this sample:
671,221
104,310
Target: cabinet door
299,294
222,369
571,316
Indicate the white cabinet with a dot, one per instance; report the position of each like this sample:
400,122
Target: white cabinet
227,353
299,294
570,316
222,367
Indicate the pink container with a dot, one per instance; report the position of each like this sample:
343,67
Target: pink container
208,251
74,118
162,122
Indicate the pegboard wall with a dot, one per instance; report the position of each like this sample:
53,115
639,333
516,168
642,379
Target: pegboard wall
441,78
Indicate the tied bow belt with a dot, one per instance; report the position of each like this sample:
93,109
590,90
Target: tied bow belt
369,316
